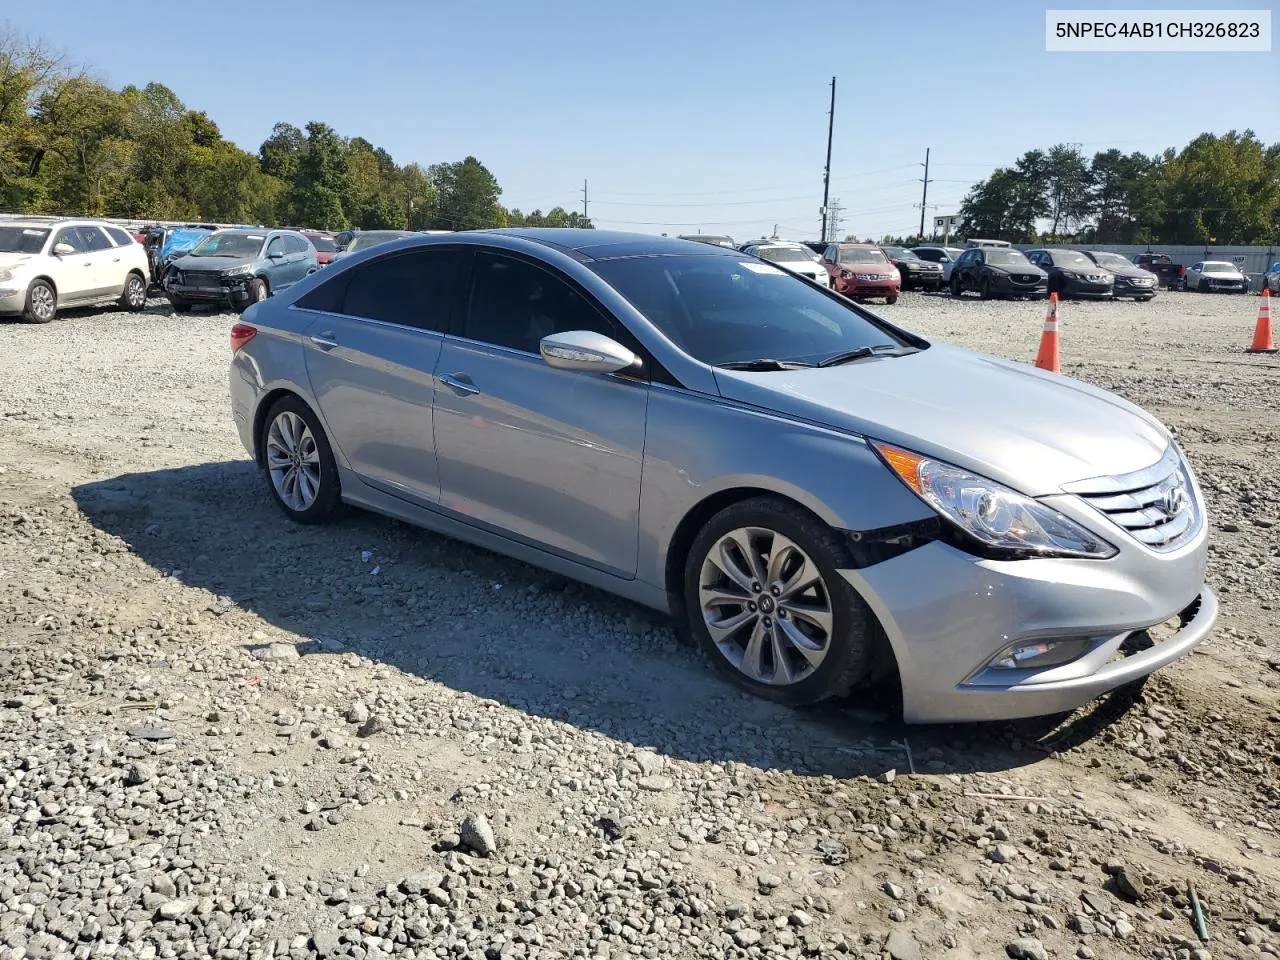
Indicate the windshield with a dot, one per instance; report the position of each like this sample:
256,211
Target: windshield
363,240
723,310
898,253
323,244
237,246
783,255
856,255
1218,266
999,257
22,239
1070,258
1112,260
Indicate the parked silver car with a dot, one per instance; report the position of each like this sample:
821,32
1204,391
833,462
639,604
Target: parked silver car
821,496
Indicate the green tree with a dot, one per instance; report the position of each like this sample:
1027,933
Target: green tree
1222,190
1067,188
322,187
466,197
82,129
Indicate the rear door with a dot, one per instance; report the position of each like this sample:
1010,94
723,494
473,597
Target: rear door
545,456
371,352
108,267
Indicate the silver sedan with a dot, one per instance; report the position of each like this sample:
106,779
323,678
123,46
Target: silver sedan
819,496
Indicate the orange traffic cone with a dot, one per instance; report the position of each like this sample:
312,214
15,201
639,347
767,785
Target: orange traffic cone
1048,357
1262,342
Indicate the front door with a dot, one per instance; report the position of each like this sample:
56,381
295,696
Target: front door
550,457
76,276
371,353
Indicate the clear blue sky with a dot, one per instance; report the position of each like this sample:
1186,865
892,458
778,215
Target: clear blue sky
699,113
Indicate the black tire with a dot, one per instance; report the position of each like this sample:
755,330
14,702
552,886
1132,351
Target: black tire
984,288
851,643
42,303
891,300
956,289
134,297
258,291
1144,299
1202,286
328,499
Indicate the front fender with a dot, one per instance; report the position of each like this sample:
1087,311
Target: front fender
699,446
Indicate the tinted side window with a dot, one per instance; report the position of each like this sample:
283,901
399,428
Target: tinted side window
296,245
94,239
121,237
515,304
276,245
413,288
72,236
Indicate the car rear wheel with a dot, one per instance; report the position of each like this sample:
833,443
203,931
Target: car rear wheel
42,303
134,296
301,472
766,604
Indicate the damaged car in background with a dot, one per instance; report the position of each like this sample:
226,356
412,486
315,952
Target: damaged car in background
238,267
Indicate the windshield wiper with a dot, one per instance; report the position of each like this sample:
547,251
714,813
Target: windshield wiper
763,363
879,349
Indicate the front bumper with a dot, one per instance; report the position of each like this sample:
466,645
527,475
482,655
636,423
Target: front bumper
1125,288
932,278
857,289
1228,286
12,300
1007,286
948,614
1084,288
234,291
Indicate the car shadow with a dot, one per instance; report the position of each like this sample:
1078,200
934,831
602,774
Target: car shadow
494,627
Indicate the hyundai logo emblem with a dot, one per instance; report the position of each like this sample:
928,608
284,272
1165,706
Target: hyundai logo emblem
1175,501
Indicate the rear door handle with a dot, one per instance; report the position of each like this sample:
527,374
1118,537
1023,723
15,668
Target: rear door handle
324,340
460,383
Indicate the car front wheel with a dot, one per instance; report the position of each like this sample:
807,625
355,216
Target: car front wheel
301,472
766,604
42,303
956,289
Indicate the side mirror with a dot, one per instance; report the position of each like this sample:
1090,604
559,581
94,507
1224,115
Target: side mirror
585,350
62,249
275,255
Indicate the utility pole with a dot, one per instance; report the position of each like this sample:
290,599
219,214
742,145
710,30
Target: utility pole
584,196
826,175
833,222
924,197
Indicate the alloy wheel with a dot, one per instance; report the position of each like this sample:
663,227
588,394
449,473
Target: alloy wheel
293,461
43,304
766,606
262,292
136,292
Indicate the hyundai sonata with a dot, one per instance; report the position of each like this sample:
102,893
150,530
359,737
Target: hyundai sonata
820,496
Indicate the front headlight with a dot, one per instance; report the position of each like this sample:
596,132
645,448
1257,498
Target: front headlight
1003,522
240,271
846,274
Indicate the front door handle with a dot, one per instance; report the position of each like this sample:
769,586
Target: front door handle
324,340
460,383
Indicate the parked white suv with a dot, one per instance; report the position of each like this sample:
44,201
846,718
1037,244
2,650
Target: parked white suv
49,264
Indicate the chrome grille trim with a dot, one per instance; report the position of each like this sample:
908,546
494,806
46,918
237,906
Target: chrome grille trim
1139,502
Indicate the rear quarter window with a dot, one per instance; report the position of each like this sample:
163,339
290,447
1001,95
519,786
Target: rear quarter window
121,237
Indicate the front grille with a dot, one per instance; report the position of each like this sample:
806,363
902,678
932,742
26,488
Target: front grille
202,278
1157,505
1023,278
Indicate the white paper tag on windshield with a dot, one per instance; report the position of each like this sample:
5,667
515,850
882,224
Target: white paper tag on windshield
761,268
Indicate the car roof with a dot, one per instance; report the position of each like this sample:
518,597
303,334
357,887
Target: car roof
612,244
850,244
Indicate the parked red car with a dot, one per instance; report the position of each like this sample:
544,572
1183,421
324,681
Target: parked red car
861,271
325,245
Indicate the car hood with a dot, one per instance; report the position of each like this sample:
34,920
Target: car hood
1222,271
14,259
1028,269
885,269
1028,429
1129,271
211,264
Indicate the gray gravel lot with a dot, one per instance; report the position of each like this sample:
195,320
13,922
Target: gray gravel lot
222,735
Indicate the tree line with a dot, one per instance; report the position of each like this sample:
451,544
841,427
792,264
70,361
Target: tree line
72,145
1221,190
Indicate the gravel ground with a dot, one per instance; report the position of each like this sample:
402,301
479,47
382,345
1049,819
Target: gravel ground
224,735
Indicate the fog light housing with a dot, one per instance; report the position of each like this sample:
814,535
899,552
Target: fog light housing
1038,654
